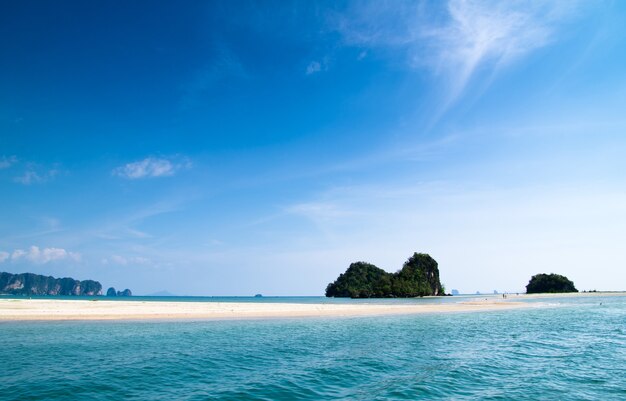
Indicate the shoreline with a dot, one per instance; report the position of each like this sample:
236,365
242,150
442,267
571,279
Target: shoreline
12,309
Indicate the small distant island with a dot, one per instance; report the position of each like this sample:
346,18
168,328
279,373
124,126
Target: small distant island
549,283
112,293
418,277
36,284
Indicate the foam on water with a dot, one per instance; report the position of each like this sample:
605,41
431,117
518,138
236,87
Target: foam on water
574,351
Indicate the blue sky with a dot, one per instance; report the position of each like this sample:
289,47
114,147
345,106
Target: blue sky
233,148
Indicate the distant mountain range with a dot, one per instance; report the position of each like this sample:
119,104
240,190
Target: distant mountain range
36,284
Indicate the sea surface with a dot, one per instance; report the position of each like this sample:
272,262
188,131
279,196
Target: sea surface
560,349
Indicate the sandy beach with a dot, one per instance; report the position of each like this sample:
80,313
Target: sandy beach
52,309
43,309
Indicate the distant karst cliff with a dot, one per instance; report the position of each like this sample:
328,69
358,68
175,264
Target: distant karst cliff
112,293
418,277
35,284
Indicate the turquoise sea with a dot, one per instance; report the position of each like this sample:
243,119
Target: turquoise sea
562,349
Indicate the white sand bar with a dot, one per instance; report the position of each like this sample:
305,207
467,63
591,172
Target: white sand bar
50,309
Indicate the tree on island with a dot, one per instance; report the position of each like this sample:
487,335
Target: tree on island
552,283
418,277
361,280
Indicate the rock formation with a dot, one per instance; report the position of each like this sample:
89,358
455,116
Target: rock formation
418,277
35,284
112,293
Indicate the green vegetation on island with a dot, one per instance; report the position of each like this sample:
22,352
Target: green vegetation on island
418,277
552,283
36,284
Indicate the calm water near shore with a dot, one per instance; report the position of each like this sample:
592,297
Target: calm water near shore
566,348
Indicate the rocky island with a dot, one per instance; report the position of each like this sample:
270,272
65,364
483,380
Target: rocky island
112,293
36,284
551,283
418,277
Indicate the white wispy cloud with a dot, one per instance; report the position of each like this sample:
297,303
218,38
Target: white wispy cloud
137,233
125,227
124,260
489,34
33,173
36,174
319,210
456,41
36,255
321,64
151,167
29,177
4,256
7,161
313,67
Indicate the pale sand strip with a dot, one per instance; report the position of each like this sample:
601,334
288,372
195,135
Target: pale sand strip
38,309
570,295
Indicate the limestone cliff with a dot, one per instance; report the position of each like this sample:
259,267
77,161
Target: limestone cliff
418,277
112,293
35,284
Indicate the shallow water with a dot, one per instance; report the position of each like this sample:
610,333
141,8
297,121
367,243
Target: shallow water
572,348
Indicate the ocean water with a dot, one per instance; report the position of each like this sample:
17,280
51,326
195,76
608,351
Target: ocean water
561,349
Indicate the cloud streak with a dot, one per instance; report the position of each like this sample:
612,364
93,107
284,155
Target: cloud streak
458,40
31,177
150,167
37,174
317,66
124,261
7,161
313,67
490,35
33,173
